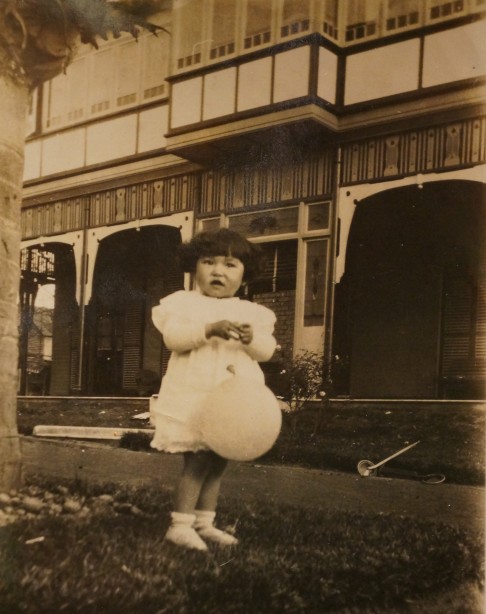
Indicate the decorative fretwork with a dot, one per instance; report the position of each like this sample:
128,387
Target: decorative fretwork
117,205
428,150
37,263
227,191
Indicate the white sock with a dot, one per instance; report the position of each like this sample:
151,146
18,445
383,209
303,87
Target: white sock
182,533
204,519
205,527
180,519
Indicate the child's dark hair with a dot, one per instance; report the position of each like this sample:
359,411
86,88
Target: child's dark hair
222,242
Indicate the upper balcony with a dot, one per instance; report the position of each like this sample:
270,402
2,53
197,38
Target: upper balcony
237,77
241,69
208,31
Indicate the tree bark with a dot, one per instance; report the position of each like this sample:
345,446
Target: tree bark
14,97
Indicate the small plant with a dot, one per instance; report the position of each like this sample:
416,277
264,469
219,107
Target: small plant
307,376
301,379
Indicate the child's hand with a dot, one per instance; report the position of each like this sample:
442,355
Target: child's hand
246,333
224,329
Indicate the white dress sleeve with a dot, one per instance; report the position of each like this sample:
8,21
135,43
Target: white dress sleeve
180,332
264,343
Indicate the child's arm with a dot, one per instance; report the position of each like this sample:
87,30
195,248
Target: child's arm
181,334
258,340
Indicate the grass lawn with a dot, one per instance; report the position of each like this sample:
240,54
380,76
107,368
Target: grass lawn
289,560
339,436
451,440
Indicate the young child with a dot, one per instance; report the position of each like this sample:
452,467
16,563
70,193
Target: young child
212,334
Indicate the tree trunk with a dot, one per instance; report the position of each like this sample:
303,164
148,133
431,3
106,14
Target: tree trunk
36,42
14,98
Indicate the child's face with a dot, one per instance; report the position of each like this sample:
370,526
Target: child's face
219,276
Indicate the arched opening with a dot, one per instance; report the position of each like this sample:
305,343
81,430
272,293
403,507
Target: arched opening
410,308
48,318
134,269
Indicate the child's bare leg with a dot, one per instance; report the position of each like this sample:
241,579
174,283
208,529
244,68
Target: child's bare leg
206,505
181,530
194,473
208,497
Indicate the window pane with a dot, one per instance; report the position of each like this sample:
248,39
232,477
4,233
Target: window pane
315,283
210,224
56,97
278,221
101,81
318,216
279,268
155,65
223,28
78,86
31,123
258,23
295,17
361,19
331,11
402,14
330,23
442,10
188,19
128,74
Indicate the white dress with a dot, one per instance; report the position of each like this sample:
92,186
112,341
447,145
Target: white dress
198,364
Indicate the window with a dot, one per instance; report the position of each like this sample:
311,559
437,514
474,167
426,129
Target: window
295,17
188,33
128,74
210,224
258,23
402,14
223,29
77,88
279,267
318,216
440,10
330,19
265,223
31,123
155,66
100,98
361,19
56,100
315,282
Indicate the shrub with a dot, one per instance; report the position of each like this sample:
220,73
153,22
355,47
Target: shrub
305,377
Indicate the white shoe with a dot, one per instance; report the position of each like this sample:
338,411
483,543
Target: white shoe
186,537
217,536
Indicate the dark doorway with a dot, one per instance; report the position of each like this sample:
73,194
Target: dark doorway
134,269
49,337
410,309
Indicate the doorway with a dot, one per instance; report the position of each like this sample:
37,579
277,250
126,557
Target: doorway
134,269
410,309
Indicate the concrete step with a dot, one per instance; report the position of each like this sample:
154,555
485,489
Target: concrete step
84,432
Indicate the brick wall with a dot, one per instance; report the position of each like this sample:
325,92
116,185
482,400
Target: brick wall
283,305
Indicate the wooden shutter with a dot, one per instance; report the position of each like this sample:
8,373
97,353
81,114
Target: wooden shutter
132,345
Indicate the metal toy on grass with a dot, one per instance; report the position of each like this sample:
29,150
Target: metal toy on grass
367,468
